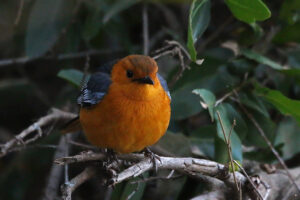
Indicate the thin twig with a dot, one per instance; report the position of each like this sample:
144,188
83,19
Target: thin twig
145,29
56,171
60,57
85,71
19,140
68,188
82,157
227,141
19,14
85,146
262,133
249,179
66,140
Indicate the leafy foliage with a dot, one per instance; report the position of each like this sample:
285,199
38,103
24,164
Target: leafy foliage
247,61
249,11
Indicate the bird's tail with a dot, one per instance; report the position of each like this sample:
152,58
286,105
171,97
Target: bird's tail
71,126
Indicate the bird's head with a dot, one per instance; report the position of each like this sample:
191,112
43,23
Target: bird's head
135,69
135,75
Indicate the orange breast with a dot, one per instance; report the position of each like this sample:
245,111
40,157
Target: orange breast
124,124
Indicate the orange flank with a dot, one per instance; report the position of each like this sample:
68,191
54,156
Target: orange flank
135,111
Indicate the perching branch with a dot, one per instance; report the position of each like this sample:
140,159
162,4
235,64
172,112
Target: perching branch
21,139
190,166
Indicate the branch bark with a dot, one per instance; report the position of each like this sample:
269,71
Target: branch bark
55,115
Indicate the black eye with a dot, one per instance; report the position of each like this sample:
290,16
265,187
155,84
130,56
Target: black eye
129,74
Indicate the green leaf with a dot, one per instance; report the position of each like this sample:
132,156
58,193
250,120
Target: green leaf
227,124
241,127
199,18
254,102
203,139
46,22
261,59
290,11
117,7
288,34
73,76
284,104
93,21
175,143
235,166
254,138
130,188
249,11
288,134
209,100
184,104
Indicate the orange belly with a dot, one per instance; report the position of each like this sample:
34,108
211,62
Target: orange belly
125,125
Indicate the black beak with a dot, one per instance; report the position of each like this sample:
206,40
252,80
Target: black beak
145,80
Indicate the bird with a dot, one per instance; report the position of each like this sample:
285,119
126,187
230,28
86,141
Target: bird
125,106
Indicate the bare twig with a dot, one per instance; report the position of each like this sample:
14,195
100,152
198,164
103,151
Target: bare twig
60,57
55,174
228,143
20,10
20,139
249,179
262,133
85,71
66,140
85,146
145,29
175,48
68,188
82,157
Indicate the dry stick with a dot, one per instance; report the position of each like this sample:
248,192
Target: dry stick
68,188
66,140
227,141
20,10
54,177
49,119
262,133
145,29
85,146
85,71
249,179
68,56
82,157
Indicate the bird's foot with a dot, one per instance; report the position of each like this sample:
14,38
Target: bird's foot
112,162
148,153
111,156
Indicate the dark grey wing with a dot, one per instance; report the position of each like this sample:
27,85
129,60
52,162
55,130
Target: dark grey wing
94,90
164,84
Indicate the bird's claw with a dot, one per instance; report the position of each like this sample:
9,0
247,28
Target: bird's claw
148,153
